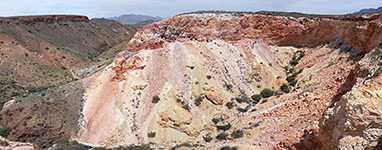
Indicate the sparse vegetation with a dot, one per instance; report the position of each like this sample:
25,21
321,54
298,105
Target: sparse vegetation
42,143
185,144
285,88
198,100
267,93
222,136
207,138
256,98
215,120
186,107
155,99
224,127
4,131
237,134
229,105
228,148
151,134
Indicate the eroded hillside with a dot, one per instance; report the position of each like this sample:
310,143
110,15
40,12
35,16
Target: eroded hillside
244,80
204,67
38,52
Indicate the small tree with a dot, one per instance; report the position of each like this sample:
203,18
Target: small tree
155,99
225,127
229,105
237,134
267,93
285,88
222,136
215,120
151,134
256,98
198,101
207,138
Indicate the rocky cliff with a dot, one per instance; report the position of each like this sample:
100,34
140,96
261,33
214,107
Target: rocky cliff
213,80
180,73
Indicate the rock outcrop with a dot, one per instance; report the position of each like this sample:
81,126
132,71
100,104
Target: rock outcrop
355,121
199,63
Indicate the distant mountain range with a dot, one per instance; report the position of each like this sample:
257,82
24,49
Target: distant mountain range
134,19
370,10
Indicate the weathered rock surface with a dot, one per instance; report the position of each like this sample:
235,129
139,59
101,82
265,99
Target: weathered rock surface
355,121
221,57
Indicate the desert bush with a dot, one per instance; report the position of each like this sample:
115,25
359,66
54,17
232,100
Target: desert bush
228,86
266,93
42,144
264,101
4,131
229,105
208,77
256,98
207,138
285,88
185,144
228,148
198,101
224,127
237,134
186,107
215,120
46,48
151,134
155,99
63,68
222,136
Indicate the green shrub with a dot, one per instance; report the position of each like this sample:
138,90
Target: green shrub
264,101
185,144
208,77
228,86
237,134
18,101
63,68
186,107
285,88
151,134
155,99
267,93
215,120
178,100
46,48
301,70
4,131
207,138
256,98
222,136
294,61
25,123
380,45
286,68
228,148
225,127
290,78
198,101
42,144
229,105
291,70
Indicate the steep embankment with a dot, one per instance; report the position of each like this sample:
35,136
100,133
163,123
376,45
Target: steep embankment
40,55
45,51
205,67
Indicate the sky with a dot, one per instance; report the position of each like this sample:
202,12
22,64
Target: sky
168,8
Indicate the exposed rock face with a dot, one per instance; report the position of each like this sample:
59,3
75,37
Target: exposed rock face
355,121
220,57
